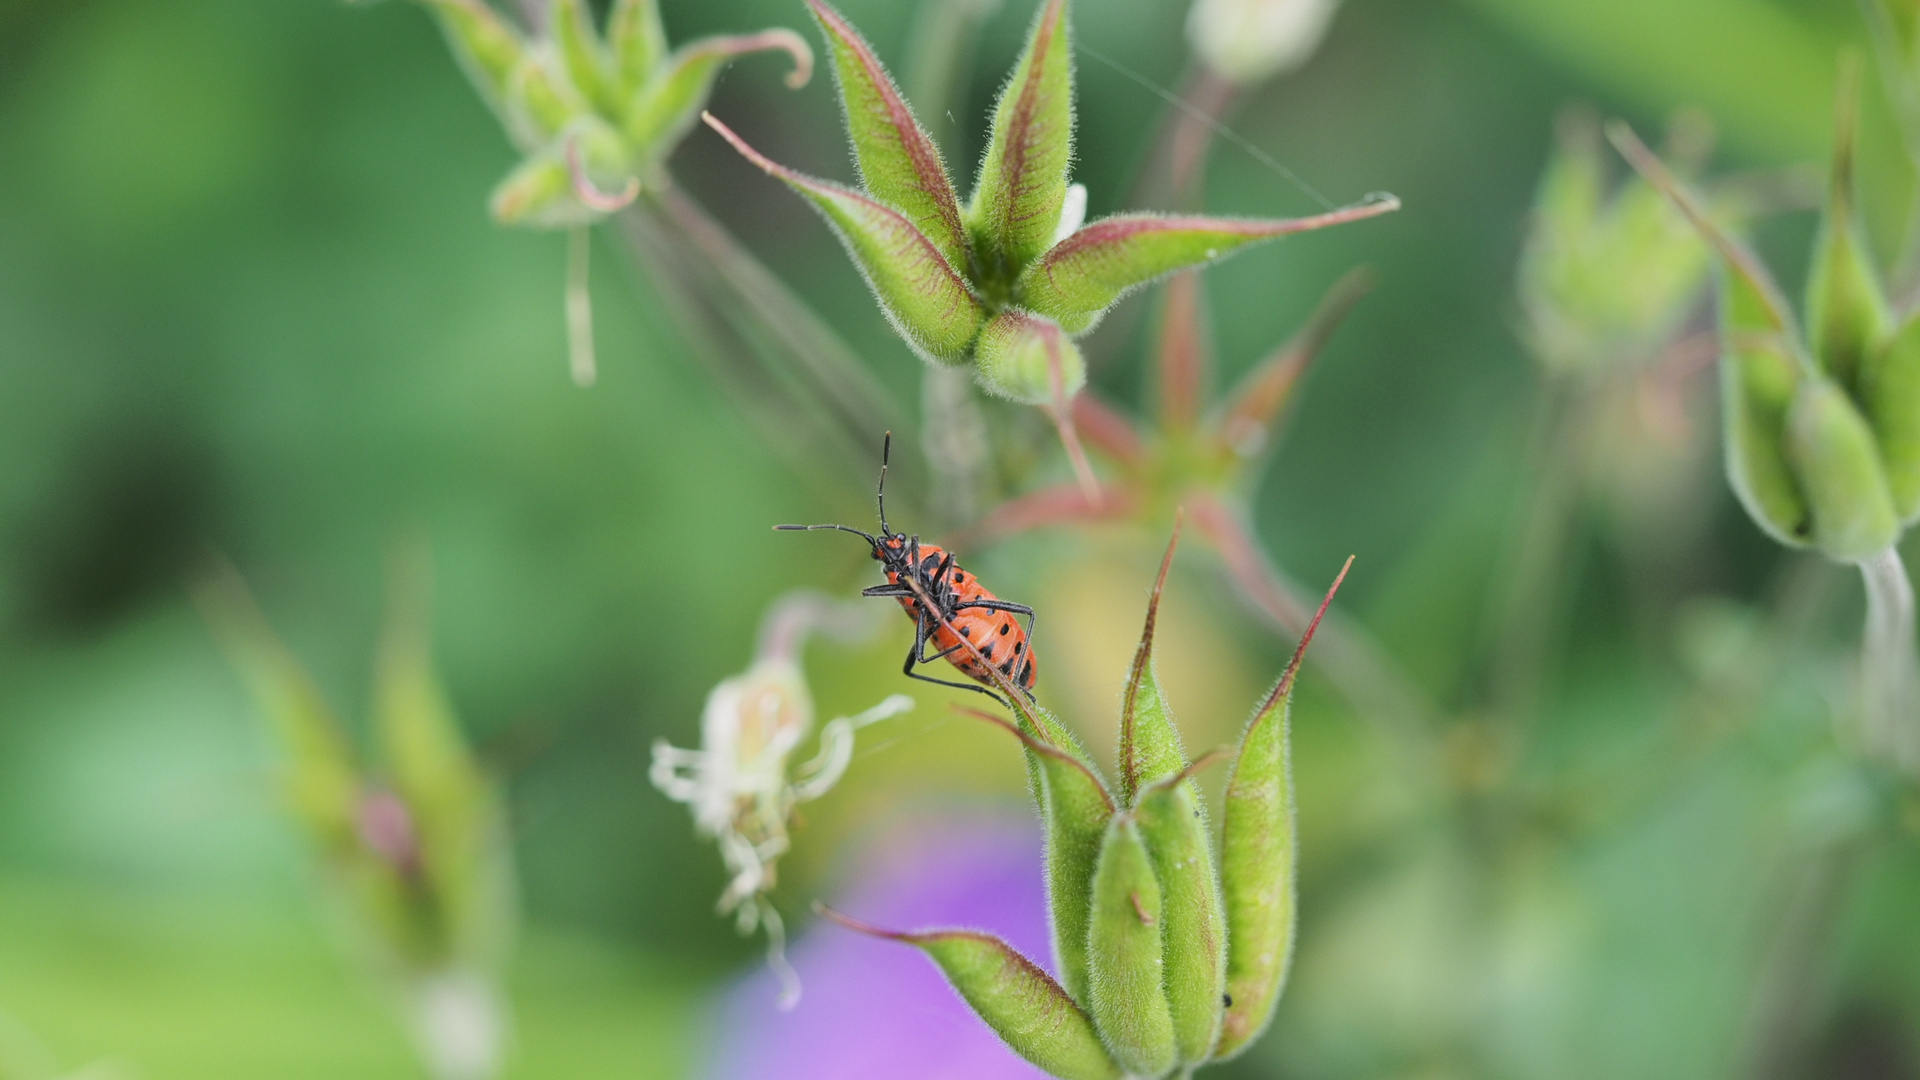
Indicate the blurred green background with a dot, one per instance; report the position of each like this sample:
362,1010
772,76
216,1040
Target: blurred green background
250,301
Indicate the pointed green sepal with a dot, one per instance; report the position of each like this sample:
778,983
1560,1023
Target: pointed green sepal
1082,276
636,40
1074,810
1149,740
540,102
1023,178
928,302
1028,359
899,164
1126,955
668,104
486,47
570,27
1248,416
1173,823
1019,1001
1834,455
1847,313
1758,376
1891,387
1259,844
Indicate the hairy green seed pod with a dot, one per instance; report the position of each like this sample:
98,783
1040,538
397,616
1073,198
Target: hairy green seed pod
1074,810
1174,826
1258,841
1028,359
1126,955
1837,460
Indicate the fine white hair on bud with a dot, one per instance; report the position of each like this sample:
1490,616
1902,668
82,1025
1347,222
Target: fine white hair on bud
1250,41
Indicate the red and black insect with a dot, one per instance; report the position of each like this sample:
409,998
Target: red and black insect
967,612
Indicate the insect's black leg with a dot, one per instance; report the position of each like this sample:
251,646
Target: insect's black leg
913,658
888,590
943,592
1002,605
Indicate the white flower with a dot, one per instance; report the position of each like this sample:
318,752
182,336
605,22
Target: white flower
741,783
1250,41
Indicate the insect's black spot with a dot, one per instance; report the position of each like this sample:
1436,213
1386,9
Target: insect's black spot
1026,673
966,632
958,577
1017,646
1006,666
927,564
986,651
1004,628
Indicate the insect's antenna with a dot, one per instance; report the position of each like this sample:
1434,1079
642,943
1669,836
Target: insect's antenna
843,528
880,496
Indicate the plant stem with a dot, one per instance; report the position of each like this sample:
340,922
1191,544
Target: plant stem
1530,618
805,388
1890,688
955,439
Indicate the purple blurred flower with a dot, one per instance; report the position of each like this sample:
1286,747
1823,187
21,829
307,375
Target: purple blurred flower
881,1009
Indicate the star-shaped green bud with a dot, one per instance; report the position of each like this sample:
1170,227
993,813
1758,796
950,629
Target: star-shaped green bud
1822,427
1005,282
594,112
1608,276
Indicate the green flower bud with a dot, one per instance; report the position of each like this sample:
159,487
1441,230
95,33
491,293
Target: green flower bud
545,192
1028,359
1606,280
1833,452
1804,459
1127,957
1018,250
